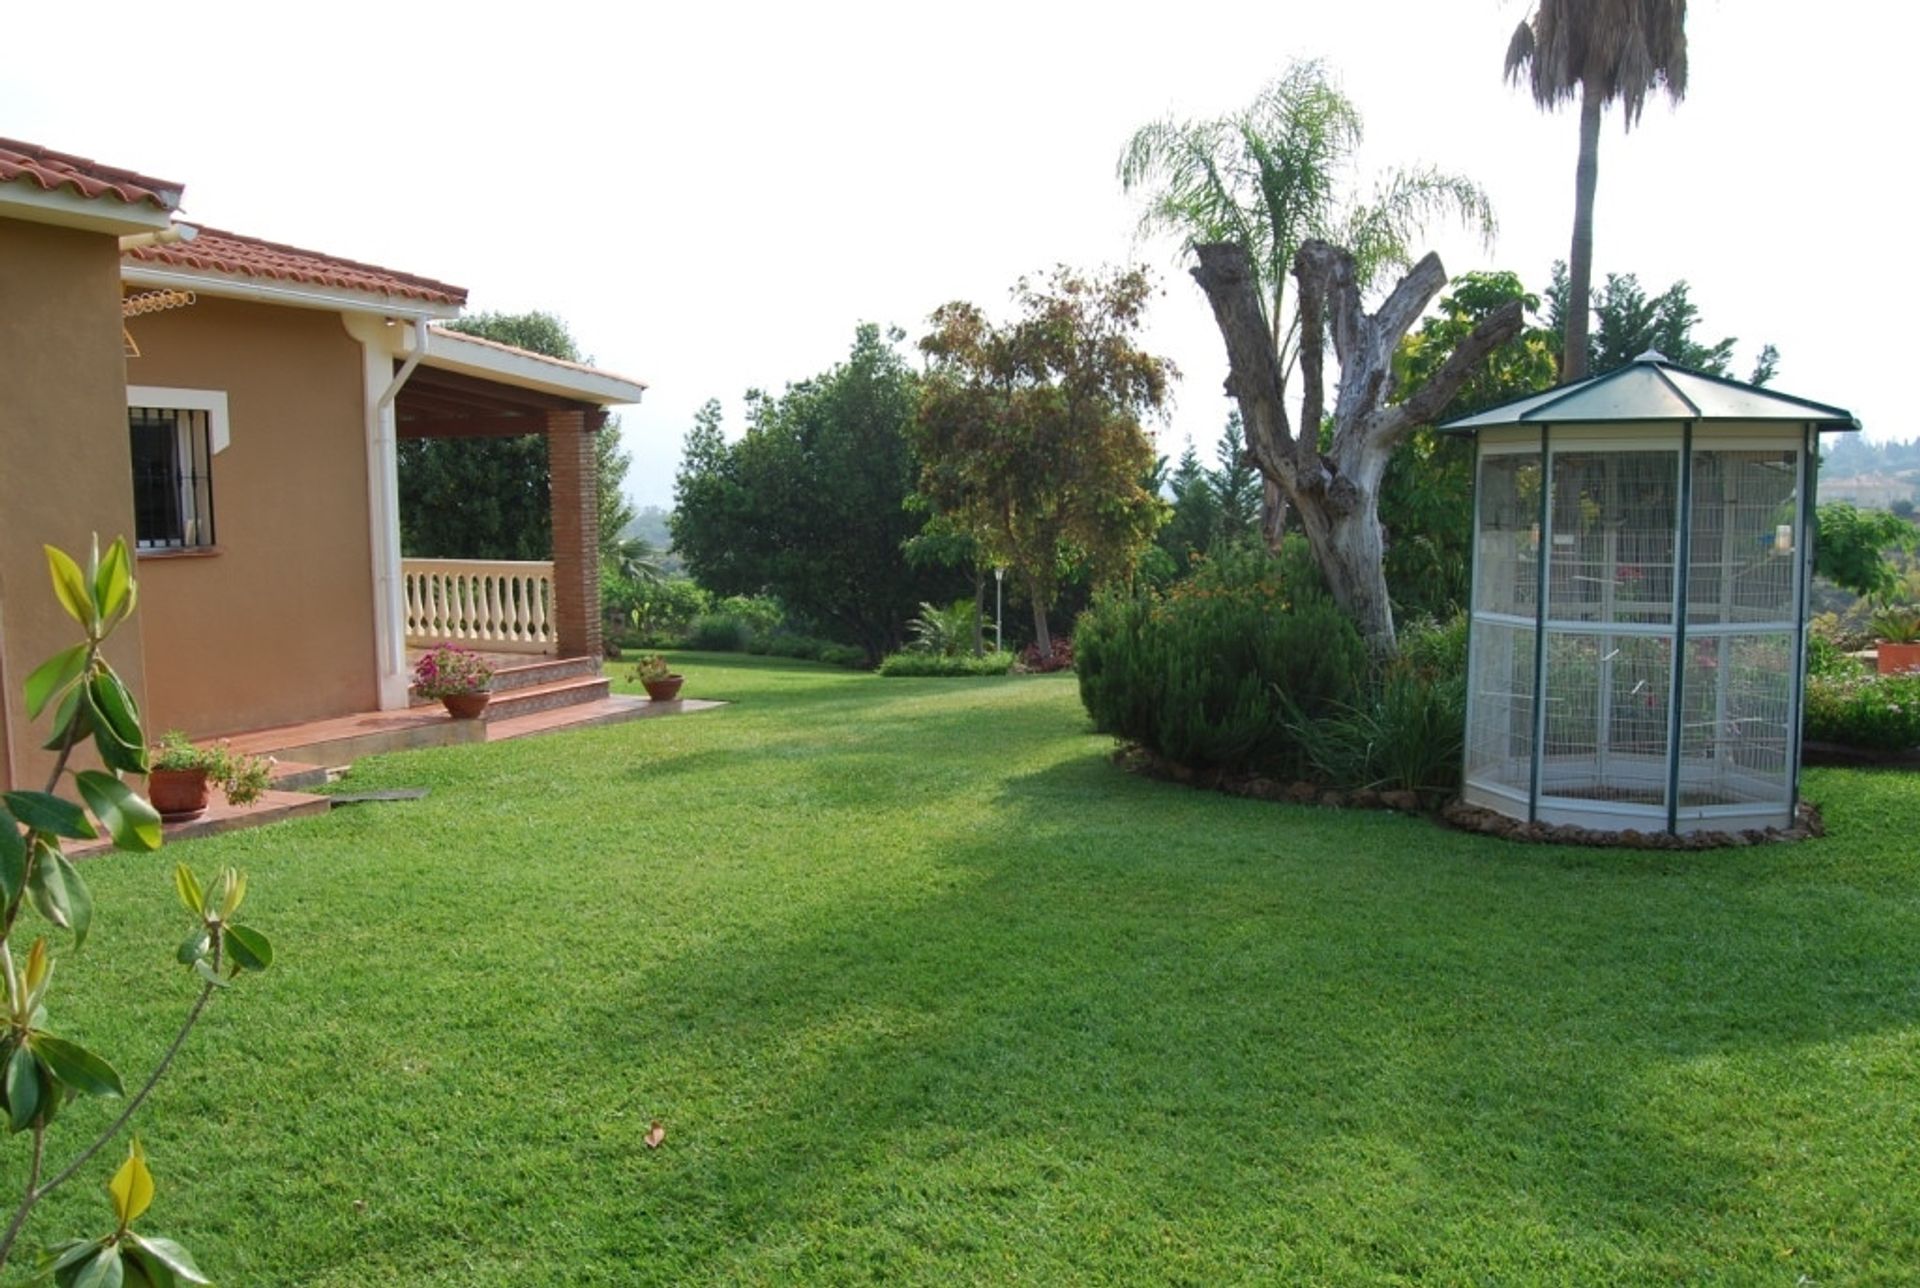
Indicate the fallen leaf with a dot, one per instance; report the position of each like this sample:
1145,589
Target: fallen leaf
655,1136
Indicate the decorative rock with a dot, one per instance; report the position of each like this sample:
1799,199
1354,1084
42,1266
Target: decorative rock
1365,798
1303,793
1408,802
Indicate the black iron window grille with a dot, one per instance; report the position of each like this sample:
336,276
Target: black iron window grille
172,478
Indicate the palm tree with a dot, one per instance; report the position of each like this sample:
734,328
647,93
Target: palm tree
1598,50
1268,177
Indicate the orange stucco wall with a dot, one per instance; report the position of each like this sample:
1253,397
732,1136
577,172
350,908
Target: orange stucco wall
63,453
277,626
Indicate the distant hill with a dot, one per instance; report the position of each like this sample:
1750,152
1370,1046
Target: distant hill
1874,476
650,525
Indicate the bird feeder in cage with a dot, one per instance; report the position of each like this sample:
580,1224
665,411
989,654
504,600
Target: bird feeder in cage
1642,553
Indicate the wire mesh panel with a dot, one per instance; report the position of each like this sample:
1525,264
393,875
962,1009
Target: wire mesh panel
1607,709
1745,542
1613,536
1507,539
1499,752
1736,735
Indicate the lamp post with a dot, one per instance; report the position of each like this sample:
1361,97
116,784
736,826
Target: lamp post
999,576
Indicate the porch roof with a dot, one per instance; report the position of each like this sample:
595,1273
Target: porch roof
467,387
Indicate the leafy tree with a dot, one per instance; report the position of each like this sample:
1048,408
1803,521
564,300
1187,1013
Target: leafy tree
1268,177
1851,548
1597,51
1030,434
1195,522
1630,322
1235,482
489,498
1426,497
810,504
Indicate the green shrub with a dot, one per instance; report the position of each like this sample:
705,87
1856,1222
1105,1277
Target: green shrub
1828,658
1874,712
1208,672
918,664
720,633
763,614
947,631
1436,650
810,649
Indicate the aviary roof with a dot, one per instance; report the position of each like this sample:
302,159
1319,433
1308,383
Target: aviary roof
1651,389
52,171
214,251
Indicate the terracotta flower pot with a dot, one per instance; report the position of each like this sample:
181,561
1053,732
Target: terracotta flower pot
1897,659
665,690
466,706
179,794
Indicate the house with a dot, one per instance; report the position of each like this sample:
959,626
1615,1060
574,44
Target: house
232,406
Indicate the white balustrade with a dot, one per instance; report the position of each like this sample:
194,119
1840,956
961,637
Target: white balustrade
494,604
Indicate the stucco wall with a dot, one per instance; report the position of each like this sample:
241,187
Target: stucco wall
277,626
64,466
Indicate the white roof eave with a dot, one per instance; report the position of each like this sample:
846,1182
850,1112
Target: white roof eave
451,351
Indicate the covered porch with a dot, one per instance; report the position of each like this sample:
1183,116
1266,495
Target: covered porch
459,386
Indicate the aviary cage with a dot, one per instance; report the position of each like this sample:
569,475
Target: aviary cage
1641,560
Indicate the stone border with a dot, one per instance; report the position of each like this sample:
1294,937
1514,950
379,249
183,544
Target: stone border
1456,813
1472,818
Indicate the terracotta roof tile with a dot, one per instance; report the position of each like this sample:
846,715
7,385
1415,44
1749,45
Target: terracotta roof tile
215,251
51,171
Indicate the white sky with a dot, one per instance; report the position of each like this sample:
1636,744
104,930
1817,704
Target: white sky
713,195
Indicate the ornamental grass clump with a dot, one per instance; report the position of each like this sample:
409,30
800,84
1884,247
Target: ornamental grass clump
447,670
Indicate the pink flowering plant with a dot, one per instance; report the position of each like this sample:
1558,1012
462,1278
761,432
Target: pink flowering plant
447,670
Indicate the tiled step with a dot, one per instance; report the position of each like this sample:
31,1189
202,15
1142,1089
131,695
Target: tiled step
533,673
546,697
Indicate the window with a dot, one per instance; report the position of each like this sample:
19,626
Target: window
173,435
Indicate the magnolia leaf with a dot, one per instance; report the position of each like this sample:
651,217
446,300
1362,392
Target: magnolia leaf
131,1186
116,753
656,1134
236,893
131,822
77,1067
70,1253
248,949
53,676
23,1088
13,856
70,586
72,722
188,887
45,812
104,1271
39,966
172,1256
48,886
204,969
194,947
79,898
113,583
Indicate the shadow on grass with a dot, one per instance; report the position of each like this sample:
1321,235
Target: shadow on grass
1312,1045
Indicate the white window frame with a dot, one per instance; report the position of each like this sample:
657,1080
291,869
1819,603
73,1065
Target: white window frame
211,402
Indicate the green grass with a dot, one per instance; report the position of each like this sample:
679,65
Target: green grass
926,990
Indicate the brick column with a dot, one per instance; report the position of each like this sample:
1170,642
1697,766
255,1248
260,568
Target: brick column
576,533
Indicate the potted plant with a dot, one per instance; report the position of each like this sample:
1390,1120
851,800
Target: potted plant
180,776
657,678
459,677
1898,626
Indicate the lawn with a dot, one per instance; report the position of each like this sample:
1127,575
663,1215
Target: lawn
924,989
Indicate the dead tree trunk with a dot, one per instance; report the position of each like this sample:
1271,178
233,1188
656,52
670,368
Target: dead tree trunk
1336,493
